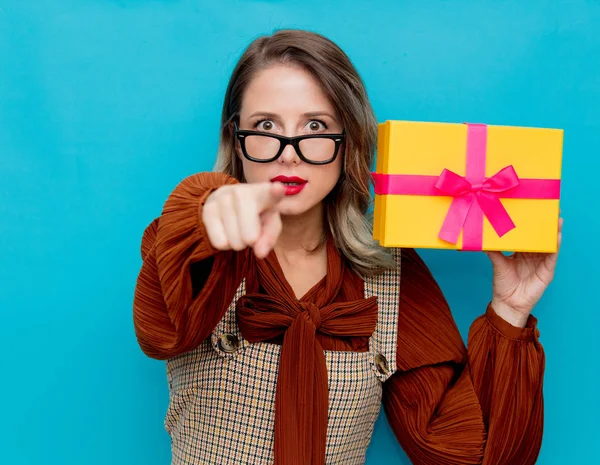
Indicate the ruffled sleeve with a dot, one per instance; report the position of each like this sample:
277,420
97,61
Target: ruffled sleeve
449,405
177,302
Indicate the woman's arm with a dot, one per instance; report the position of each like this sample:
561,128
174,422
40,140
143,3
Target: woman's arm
184,286
449,405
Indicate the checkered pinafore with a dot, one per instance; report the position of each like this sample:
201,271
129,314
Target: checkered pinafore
222,394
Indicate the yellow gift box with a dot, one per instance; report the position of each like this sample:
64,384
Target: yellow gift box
467,186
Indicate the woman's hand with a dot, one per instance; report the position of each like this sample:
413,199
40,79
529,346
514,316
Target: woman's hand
243,215
520,280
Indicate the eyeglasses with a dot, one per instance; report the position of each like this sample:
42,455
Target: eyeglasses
263,147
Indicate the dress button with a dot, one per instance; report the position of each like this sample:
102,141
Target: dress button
228,342
382,364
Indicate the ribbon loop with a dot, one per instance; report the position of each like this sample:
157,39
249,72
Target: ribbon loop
453,184
502,181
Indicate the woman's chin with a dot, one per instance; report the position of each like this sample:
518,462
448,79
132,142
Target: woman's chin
291,206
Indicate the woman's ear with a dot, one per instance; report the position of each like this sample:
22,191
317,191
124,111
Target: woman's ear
238,149
236,142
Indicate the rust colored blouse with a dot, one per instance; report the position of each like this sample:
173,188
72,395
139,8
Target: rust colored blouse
445,403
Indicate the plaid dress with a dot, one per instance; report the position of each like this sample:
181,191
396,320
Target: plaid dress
222,394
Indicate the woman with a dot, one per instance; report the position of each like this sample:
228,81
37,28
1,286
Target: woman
285,326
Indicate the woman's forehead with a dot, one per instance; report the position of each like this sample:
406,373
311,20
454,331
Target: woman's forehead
285,91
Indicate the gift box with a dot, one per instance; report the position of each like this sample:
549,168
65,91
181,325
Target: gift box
467,186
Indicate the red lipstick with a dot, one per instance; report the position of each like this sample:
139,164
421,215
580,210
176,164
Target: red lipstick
293,184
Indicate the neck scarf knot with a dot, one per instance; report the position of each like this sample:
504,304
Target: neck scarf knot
311,313
302,398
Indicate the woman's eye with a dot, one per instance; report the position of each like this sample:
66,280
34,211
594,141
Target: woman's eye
265,125
317,125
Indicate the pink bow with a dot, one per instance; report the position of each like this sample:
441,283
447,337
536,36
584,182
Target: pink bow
468,198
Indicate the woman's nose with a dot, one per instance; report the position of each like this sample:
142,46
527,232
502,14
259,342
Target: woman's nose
289,155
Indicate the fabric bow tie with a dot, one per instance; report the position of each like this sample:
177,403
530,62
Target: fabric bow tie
302,398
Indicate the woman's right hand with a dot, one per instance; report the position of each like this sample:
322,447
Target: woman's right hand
243,215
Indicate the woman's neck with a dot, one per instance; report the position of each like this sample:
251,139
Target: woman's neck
301,235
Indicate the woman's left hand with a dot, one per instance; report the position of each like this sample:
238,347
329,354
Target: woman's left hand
520,280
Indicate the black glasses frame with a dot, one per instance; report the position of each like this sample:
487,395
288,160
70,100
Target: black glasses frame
240,135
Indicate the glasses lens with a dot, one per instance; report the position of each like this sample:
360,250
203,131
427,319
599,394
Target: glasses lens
317,149
262,147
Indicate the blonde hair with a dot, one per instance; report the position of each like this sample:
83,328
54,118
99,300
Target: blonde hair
347,204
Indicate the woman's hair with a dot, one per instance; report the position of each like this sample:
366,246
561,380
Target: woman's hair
347,205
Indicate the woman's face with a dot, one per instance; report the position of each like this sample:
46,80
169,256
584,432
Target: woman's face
287,101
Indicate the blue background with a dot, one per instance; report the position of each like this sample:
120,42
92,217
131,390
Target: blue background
106,105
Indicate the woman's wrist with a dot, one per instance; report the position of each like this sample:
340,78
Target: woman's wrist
510,315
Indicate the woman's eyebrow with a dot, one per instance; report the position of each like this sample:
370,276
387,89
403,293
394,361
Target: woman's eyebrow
264,114
312,114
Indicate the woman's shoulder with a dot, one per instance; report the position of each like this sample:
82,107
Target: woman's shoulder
202,181
405,262
427,333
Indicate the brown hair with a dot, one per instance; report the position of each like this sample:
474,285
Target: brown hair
347,205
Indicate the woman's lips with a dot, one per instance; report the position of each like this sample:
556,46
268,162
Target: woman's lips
293,184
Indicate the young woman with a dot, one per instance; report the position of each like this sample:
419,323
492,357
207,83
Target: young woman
285,326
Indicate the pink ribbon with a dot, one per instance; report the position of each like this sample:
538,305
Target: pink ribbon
474,196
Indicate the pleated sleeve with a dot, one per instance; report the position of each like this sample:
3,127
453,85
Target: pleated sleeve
184,286
450,405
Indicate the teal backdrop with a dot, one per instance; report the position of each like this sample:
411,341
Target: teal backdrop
106,105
